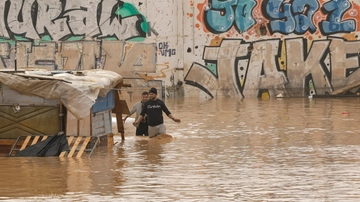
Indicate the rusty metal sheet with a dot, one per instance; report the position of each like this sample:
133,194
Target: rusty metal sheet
28,120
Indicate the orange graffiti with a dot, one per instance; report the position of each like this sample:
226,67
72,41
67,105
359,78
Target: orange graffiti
191,3
144,77
260,21
128,48
147,77
352,13
216,41
350,37
202,7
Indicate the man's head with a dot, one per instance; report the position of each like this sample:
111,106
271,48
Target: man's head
145,96
152,93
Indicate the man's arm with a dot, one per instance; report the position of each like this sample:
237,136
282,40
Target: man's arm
174,119
168,113
132,111
138,120
141,116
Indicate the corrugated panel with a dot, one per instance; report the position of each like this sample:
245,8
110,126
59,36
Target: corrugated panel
101,123
29,120
104,103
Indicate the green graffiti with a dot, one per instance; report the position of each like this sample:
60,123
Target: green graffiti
6,40
20,38
45,38
137,39
75,38
212,67
129,10
311,87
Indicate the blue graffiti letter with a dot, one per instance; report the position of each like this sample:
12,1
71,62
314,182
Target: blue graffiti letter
303,12
244,20
280,16
335,10
221,15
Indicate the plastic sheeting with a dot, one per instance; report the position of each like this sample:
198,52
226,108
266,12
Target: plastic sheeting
52,146
77,92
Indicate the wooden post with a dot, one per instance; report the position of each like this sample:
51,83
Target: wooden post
120,109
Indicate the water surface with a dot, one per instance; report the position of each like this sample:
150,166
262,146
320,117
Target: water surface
289,149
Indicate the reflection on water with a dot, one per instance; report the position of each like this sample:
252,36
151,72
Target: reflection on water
224,150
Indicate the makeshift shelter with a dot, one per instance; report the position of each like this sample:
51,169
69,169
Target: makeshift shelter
40,102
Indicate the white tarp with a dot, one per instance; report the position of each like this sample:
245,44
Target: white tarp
77,93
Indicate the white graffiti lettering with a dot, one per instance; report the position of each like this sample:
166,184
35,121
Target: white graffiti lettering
60,20
326,66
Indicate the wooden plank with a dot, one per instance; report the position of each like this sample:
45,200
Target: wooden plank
70,139
7,142
120,105
73,149
347,88
83,147
85,126
27,139
62,154
78,127
120,109
11,71
35,140
72,124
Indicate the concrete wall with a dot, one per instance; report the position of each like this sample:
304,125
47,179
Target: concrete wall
203,48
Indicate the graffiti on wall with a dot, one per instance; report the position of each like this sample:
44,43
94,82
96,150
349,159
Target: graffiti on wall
61,20
235,68
82,55
165,50
309,61
279,16
74,35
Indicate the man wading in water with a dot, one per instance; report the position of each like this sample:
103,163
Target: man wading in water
153,108
142,127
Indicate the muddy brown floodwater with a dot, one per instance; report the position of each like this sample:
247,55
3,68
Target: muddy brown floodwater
225,149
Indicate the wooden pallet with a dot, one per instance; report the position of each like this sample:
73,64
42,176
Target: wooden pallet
78,145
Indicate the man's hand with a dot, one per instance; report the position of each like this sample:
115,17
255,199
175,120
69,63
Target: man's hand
177,120
135,123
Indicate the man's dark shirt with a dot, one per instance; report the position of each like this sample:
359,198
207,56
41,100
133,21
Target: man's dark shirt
153,109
